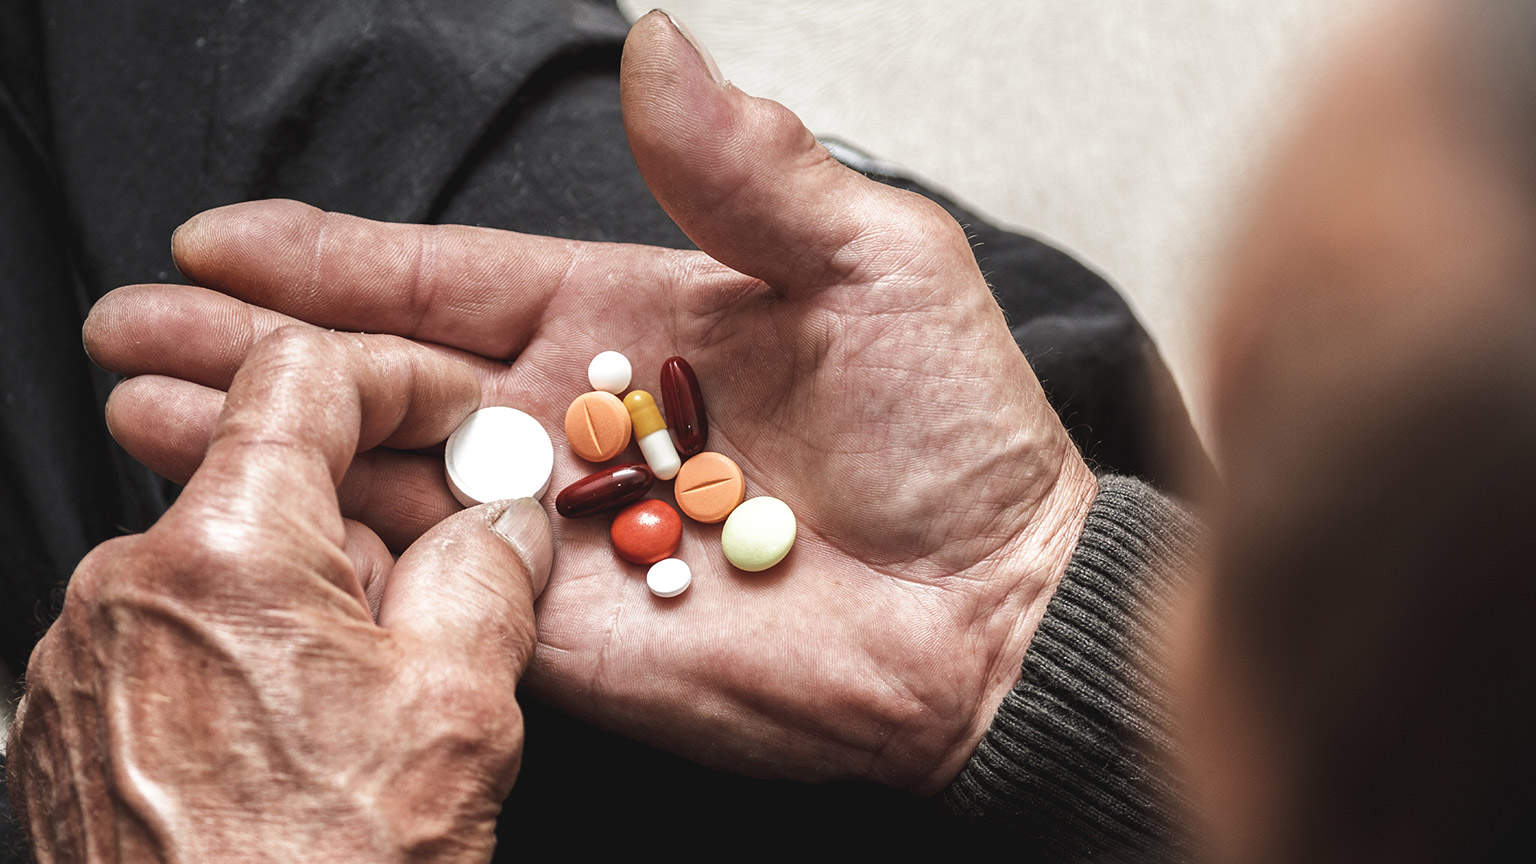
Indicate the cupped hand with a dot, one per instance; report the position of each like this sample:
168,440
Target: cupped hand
256,676
852,361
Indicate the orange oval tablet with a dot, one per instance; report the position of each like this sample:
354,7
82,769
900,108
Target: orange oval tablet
597,426
709,486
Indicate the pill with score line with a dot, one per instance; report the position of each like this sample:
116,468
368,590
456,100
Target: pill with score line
597,426
709,486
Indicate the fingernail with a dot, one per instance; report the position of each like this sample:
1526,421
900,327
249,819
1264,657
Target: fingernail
525,527
698,47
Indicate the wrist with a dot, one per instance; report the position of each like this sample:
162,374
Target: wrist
1073,753
1017,585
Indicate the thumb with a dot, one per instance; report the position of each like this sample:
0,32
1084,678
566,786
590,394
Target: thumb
469,583
745,179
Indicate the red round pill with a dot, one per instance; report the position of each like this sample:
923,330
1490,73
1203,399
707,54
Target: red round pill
646,532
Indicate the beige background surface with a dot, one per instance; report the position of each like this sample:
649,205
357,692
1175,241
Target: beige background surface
1122,130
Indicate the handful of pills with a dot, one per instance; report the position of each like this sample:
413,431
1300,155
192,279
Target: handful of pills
710,487
500,452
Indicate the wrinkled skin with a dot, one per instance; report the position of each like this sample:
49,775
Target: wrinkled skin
853,362
255,677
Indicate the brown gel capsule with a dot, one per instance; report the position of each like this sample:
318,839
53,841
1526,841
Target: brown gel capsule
605,490
684,405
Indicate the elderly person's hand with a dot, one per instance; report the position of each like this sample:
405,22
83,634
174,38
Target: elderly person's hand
853,362
255,676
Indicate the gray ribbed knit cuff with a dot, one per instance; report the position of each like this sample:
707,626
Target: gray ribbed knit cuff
1068,764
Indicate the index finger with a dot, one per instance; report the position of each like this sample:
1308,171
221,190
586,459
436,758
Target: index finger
301,406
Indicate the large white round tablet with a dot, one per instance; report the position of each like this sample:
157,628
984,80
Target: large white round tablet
610,372
669,577
498,453
758,533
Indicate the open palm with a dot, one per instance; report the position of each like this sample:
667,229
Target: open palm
852,360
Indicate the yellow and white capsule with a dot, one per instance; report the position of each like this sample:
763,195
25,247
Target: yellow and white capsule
651,432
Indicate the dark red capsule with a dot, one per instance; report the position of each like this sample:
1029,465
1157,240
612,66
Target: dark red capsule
684,405
605,490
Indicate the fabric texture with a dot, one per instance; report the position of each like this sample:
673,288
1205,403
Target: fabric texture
1071,764
118,121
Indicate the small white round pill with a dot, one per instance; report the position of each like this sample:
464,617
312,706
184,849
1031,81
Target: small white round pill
669,577
758,533
610,372
498,453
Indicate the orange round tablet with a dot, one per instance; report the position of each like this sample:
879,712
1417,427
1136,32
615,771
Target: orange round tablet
709,487
597,426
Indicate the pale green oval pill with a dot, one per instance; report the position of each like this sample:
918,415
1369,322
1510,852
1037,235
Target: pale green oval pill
758,533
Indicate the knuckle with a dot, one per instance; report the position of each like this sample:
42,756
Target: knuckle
421,298
208,544
296,362
89,584
766,126
235,563
292,346
401,360
782,128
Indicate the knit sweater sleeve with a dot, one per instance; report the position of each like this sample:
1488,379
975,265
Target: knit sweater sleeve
1068,767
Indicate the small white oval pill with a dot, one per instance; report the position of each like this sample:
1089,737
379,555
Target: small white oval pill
758,533
669,577
498,453
610,372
